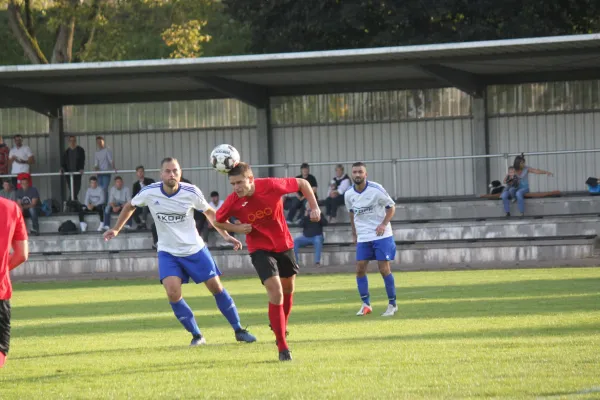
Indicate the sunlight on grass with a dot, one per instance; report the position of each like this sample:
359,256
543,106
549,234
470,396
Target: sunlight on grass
467,334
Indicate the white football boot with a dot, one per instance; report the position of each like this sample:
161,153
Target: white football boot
364,310
391,310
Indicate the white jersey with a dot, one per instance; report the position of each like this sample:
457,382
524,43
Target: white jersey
369,208
174,217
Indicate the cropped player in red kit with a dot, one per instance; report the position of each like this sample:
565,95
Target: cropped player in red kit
13,234
257,204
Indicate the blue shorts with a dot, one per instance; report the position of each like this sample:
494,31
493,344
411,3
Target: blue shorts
380,250
200,266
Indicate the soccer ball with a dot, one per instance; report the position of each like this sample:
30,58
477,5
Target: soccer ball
224,158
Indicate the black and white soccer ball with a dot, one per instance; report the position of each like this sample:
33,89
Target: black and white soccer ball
224,158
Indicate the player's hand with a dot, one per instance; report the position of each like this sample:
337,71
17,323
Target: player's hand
315,215
354,238
237,245
380,229
110,234
245,228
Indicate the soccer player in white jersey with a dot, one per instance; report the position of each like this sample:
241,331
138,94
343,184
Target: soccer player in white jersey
182,254
371,210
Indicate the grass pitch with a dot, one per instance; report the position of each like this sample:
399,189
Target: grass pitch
468,334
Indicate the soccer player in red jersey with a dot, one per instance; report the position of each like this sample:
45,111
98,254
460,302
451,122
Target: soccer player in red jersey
13,234
256,203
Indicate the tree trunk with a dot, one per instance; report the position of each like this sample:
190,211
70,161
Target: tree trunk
28,43
63,48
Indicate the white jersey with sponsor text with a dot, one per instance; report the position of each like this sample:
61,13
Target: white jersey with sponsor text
369,208
174,217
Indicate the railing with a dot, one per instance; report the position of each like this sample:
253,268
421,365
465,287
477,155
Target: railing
393,161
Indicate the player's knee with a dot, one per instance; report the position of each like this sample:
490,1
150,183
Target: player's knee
174,294
384,269
361,269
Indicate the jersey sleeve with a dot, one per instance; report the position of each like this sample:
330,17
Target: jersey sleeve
140,199
348,201
20,228
281,186
223,213
198,200
383,198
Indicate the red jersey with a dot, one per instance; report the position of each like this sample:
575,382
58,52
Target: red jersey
12,228
264,211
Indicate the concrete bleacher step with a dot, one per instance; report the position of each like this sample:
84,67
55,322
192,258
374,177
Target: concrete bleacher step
438,254
341,234
416,212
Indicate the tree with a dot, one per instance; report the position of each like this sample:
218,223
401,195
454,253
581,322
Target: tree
59,31
290,25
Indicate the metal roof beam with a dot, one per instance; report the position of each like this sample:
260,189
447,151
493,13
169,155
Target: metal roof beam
43,104
546,76
141,97
254,95
465,81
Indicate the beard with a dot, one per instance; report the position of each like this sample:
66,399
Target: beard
358,180
170,183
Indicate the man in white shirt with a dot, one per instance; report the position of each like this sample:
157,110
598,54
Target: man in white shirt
335,194
371,210
21,158
182,253
119,196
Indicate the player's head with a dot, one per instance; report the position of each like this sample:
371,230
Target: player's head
359,172
139,171
93,182
170,172
241,178
305,169
118,182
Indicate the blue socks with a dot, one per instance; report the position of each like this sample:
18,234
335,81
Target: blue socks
363,289
184,314
228,309
390,288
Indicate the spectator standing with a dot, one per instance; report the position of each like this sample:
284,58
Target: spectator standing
298,202
119,196
103,161
4,156
21,158
93,203
28,198
7,191
73,161
141,183
335,194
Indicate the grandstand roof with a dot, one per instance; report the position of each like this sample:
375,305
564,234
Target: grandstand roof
469,66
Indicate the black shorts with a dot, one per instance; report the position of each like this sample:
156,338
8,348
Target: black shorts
4,326
268,264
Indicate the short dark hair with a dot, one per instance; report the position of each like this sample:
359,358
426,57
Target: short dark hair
214,193
71,136
93,178
359,164
99,138
139,167
168,159
118,178
241,169
18,136
304,165
340,166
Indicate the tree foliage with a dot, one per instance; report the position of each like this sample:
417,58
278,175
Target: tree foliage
57,31
290,25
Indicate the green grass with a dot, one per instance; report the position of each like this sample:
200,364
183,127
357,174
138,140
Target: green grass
469,334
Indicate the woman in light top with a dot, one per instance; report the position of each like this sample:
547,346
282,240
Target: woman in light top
522,171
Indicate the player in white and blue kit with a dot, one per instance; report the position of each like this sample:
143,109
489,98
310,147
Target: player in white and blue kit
371,210
182,254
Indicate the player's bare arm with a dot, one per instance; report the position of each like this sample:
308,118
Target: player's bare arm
20,254
354,237
244,229
309,195
212,218
389,214
124,216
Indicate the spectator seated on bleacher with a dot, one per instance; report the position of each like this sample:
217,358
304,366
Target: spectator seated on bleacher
312,235
141,183
28,198
119,195
297,203
93,203
593,186
335,194
7,191
517,184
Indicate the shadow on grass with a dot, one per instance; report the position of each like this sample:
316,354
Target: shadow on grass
503,304
343,313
